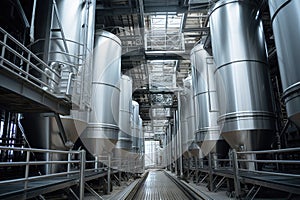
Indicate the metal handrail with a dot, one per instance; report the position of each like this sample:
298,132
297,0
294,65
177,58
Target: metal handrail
77,174
271,161
273,173
38,150
28,60
270,151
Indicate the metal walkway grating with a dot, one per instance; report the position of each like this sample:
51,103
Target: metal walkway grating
158,186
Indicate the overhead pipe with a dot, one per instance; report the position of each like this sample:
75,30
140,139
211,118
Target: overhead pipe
31,34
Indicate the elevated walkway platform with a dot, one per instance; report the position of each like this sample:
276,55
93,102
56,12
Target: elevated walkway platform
27,84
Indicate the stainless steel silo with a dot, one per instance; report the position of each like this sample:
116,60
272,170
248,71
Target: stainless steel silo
183,123
286,28
207,133
101,133
124,143
141,134
141,150
190,114
135,127
62,35
243,84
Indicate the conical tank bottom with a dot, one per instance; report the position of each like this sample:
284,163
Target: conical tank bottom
219,147
73,127
194,150
249,140
293,110
122,148
99,139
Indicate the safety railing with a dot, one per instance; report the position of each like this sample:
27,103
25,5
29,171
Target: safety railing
279,163
71,165
16,59
250,161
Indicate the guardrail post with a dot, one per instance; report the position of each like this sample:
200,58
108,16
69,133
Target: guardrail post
108,174
3,49
237,184
27,169
82,174
69,164
96,163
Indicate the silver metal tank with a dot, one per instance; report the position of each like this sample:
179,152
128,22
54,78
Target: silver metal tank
190,115
63,30
141,151
246,118
63,38
141,135
286,28
124,143
207,133
135,127
183,123
101,133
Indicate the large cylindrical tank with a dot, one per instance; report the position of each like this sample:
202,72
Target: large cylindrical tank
190,114
244,91
135,127
183,123
62,33
207,133
101,133
71,58
286,28
124,143
141,135
141,147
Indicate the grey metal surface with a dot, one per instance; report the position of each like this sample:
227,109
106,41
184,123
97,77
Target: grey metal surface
245,100
135,127
101,133
24,86
207,133
158,186
190,117
64,34
124,143
183,124
187,116
286,27
194,149
141,134
44,135
74,124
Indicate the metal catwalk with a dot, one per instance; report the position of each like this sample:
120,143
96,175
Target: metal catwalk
159,186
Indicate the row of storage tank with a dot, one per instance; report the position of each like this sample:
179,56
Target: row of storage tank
113,126
103,114
114,120
231,91
228,99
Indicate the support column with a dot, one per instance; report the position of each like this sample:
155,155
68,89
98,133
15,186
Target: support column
82,174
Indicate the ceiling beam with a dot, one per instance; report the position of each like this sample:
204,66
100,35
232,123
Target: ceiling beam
155,9
196,29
